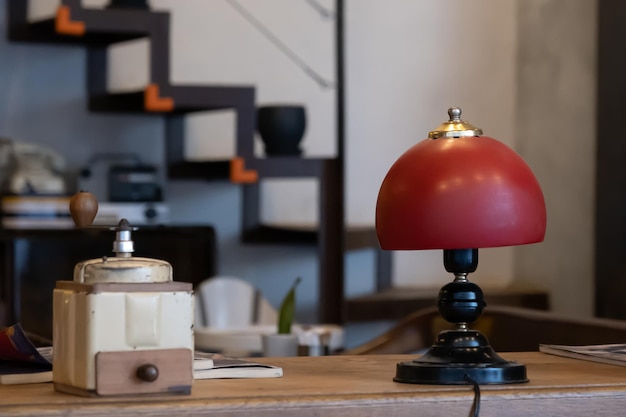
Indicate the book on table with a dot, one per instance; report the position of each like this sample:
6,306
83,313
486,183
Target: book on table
20,361
612,354
217,366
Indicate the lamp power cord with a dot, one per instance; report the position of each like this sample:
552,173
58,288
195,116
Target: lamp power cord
475,410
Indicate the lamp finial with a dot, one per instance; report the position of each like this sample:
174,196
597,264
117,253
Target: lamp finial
455,114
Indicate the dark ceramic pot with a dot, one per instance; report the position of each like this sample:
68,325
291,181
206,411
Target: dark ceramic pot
281,128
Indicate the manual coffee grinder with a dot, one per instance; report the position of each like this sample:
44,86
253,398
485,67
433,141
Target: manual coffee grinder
122,325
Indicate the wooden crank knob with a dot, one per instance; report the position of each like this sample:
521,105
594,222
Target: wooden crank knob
83,208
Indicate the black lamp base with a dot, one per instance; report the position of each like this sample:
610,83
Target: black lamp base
460,357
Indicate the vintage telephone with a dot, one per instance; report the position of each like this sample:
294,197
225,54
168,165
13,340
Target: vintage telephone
30,169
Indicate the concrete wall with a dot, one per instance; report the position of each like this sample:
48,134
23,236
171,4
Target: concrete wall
555,131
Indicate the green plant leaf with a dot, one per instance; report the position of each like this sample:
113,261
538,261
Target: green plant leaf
287,309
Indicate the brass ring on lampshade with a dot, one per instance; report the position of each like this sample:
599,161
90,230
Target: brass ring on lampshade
455,127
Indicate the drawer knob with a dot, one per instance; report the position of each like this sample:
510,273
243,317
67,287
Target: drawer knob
148,372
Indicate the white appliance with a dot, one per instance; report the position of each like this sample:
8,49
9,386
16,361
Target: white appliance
137,213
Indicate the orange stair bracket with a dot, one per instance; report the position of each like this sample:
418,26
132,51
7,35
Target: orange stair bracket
239,174
155,103
64,25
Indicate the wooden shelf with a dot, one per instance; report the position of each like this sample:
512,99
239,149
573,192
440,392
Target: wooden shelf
396,303
44,32
102,26
208,171
282,167
185,99
291,166
354,238
280,236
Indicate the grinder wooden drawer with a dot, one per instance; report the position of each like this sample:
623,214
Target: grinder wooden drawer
145,371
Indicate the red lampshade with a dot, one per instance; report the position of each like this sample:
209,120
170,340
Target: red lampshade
459,189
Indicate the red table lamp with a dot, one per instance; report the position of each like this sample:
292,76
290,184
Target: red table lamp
459,191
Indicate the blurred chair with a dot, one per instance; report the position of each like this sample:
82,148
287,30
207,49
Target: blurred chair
228,302
509,329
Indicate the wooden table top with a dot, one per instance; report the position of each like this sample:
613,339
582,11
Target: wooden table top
353,386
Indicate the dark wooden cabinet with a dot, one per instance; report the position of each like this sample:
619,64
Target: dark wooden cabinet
33,260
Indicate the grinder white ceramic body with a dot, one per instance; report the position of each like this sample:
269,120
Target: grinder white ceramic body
123,326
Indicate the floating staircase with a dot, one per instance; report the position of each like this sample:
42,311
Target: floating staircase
96,29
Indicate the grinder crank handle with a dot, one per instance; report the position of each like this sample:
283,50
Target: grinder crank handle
83,208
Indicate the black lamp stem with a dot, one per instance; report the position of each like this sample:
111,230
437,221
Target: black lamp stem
460,355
